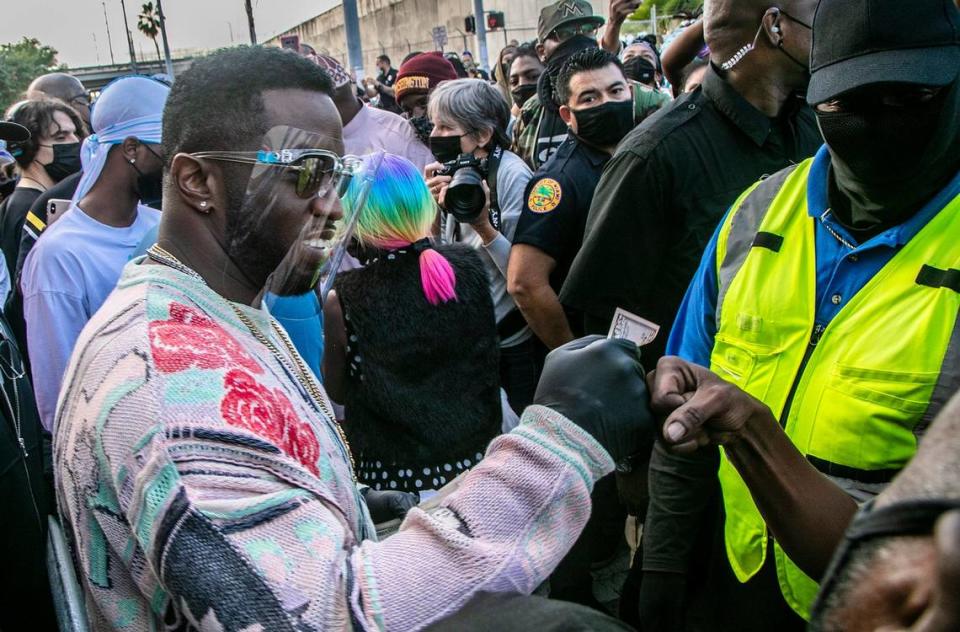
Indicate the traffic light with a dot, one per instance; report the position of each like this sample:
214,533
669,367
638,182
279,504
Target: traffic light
495,20
470,24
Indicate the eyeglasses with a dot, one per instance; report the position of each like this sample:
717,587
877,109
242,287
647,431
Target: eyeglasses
82,98
318,171
566,31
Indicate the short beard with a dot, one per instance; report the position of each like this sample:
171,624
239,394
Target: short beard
249,245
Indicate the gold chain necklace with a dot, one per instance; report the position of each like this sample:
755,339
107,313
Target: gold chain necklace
306,378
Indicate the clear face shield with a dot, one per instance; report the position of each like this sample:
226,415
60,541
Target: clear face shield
287,235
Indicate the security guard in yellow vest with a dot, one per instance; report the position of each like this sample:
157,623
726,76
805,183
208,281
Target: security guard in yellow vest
827,308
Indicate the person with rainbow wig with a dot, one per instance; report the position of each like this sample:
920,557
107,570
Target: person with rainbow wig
411,342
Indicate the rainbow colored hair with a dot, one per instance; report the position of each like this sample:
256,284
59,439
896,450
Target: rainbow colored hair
399,211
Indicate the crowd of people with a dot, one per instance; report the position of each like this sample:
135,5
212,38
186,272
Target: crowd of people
285,349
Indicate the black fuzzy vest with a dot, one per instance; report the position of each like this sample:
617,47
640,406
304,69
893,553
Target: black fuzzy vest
423,384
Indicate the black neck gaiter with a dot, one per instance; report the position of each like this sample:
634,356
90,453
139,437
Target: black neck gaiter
888,161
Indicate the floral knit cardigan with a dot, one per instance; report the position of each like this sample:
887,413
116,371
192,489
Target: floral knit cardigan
199,486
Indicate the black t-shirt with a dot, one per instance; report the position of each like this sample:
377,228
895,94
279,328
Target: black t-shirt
663,194
12,213
389,78
34,226
558,200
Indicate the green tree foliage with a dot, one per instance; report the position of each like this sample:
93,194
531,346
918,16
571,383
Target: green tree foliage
665,7
20,63
148,23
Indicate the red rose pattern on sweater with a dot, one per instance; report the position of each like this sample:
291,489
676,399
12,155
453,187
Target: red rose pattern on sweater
268,413
189,339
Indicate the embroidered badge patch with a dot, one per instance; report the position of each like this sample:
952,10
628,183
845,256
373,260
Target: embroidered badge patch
544,196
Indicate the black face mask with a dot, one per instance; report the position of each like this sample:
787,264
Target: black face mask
640,70
66,161
605,125
445,148
805,67
150,184
887,161
521,94
7,187
422,126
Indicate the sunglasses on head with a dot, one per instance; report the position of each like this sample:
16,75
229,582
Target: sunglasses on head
318,171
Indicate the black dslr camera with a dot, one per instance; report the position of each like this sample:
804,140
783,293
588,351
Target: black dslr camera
465,197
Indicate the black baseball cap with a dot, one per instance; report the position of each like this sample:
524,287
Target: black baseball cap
13,132
564,12
857,43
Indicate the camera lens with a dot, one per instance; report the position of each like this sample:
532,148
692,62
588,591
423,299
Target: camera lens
465,197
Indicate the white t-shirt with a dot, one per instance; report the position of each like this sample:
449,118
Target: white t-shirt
66,278
374,129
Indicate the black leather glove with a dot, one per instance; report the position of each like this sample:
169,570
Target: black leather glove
387,505
599,385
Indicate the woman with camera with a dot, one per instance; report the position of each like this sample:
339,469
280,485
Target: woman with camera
411,343
480,186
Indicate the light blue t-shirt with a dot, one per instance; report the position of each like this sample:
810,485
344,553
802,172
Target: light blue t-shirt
66,278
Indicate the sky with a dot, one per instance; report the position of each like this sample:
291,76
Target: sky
76,29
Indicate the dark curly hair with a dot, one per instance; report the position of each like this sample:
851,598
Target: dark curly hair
217,104
37,116
587,59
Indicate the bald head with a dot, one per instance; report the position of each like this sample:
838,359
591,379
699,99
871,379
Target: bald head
67,88
728,25
888,582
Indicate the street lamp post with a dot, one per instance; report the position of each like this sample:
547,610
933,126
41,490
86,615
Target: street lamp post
481,33
351,27
126,27
166,47
253,30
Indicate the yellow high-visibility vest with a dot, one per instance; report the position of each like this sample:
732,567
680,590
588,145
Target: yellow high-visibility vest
874,377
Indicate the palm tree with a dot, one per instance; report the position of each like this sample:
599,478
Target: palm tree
148,23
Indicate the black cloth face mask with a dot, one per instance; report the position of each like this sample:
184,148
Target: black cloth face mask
7,187
522,94
640,70
66,161
445,148
605,125
422,126
150,184
887,161
551,71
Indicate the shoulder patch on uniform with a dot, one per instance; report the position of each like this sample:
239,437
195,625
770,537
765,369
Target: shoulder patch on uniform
544,196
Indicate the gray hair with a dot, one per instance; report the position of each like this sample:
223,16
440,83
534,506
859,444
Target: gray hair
472,104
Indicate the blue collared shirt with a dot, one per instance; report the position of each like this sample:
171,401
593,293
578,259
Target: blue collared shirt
841,272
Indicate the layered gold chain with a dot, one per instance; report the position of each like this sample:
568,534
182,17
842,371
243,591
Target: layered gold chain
299,369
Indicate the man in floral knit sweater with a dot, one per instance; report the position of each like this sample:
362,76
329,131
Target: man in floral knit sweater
202,481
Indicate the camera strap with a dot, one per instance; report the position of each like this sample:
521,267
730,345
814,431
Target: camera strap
493,166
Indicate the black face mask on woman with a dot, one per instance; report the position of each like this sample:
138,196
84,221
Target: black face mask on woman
445,148
887,161
66,161
605,125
